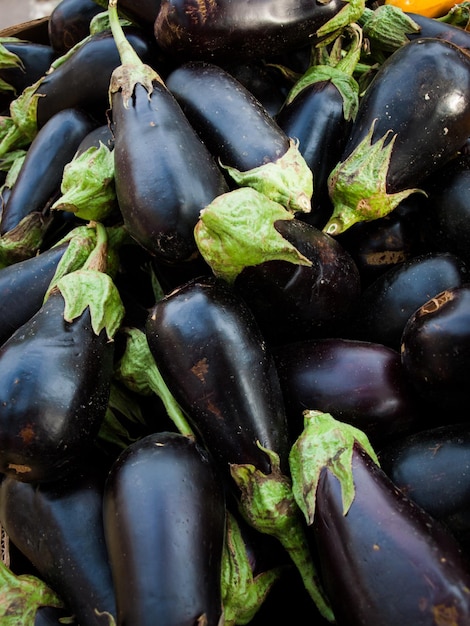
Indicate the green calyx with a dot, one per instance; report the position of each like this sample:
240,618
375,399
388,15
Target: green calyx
243,593
21,597
237,230
350,13
324,443
23,112
358,185
387,27
23,241
288,180
268,504
88,185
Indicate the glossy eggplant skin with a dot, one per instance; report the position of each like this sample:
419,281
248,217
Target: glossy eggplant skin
164,174
386,561
54,389
293,301
435,352
430,27
82,81
387,304
69,23
431,467
218,106
41,173
419,94
360,383
209,350
23,286
316,119
243,29
164,520
58,527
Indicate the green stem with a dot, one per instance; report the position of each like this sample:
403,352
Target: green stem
127,53
98,257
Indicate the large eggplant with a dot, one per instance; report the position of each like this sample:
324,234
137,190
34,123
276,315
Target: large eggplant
164,520
383,559
413,118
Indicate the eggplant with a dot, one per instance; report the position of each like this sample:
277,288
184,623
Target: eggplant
435,352
39,178
164,174
431,467
386,305
439,29
209,351
142,12
361,383
246,29
413,118
164,523
262,156
383,559
58,527
69,23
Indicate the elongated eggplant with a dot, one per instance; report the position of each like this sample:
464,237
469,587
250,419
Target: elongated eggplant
164,174
435,351
34,59
39,178
69,23
431,467
413,118
164,521
58,527
383,559
245,28
262,155
208,349
56,375
361,383
439,29
386,305
143,13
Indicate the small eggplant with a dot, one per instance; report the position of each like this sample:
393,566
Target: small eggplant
262,155
435,351
386,305
56,373
432,468
164,522
383,559
361,383
413,118
247,29
58,527
164,174
69,23
39,178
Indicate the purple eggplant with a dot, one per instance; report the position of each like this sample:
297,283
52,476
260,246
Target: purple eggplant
164,174
383,559
247,29
58,527
164,521
412,119
69,23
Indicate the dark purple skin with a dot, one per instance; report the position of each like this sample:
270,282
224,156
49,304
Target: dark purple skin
414,94
360,383
387,304
435,351
432,468
40,176
54,388
69,23
243,29
58,527
430,27
23,286
386,561
164,174
293,301
316,119
82,81
209,350
218,107
164,520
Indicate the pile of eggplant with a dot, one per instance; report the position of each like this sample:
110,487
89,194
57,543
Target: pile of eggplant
235,315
